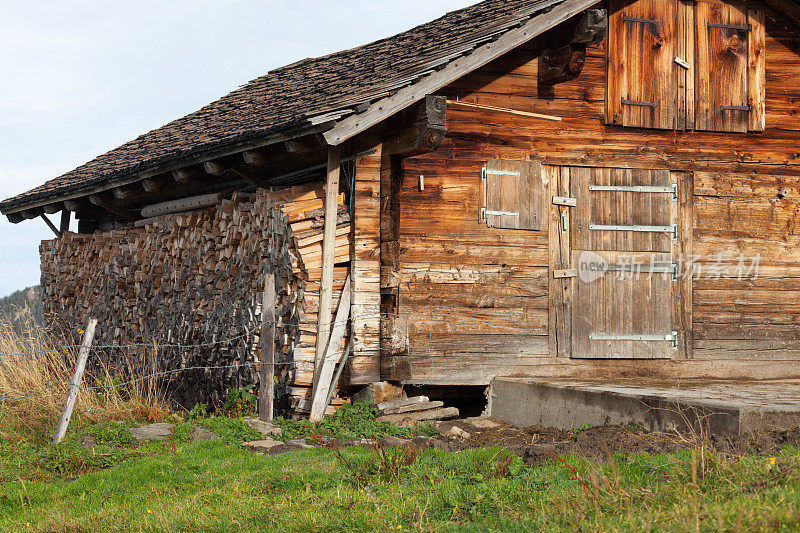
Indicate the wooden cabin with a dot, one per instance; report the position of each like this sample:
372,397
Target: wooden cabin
522,187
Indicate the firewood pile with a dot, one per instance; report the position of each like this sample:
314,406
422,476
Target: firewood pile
189,286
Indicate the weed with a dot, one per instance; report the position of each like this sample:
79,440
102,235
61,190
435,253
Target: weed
581,429
239,402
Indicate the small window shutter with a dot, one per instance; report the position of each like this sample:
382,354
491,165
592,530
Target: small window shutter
514,194
729,85
642,88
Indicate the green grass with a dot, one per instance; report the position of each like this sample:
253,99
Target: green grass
214,486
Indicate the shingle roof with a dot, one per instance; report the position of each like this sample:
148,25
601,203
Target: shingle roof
289,97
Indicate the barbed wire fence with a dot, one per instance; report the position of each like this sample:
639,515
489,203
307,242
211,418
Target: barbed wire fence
416,342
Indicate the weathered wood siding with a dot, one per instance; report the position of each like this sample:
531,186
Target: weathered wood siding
476,298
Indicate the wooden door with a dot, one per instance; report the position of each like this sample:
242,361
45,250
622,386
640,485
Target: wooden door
623,231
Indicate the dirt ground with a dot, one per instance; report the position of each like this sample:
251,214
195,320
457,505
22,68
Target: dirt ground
536,444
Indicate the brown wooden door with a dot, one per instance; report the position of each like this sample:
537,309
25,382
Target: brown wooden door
623,231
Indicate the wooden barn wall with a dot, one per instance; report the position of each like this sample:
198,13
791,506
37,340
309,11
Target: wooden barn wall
475,299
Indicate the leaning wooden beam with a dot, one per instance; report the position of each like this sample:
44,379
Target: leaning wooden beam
319,396
353,125
184,204
505,110
51,225
75,382
328,257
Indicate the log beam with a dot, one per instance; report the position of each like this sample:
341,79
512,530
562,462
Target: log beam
183,175
254,157
426,129
564,57
151,184
214,168
52,209
111,207
325,311
125,192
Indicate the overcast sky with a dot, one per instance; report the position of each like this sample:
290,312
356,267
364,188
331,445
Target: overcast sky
82,77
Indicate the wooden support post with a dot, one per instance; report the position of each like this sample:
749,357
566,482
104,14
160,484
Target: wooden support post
325,375
75,382
65,219
266,390
51,225
324,311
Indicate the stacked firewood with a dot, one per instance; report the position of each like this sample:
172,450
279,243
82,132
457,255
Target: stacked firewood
189,287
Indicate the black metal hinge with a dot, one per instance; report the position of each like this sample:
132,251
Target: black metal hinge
625,101
626,18
735,107
742,27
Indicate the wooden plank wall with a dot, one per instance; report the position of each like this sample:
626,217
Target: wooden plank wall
476,299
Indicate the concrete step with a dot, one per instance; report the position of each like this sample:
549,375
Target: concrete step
714,407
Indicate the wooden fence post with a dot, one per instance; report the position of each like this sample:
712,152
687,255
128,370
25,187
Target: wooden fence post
266,341
75,382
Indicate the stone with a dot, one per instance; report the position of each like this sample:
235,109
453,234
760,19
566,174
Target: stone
88,442
457,432
391,441
265,428
483,422
200,433
413,407
377,393
442,413
300,443
262,445
152,432
363,443
426,443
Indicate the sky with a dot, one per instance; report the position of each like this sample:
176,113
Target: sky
83,77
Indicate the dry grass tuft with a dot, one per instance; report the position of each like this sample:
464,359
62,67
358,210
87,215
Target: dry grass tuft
35,369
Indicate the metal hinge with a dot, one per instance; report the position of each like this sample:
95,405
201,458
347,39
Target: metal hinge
673,229
625,101
626,18
486,172
669,337
735,108
485,212
673,189
743,27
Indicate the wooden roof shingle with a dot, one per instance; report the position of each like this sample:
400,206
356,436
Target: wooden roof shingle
297,96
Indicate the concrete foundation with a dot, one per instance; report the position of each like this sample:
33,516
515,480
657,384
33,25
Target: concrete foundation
716,407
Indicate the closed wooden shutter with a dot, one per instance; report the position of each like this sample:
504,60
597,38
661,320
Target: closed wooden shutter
514,196
730,59
642,74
